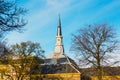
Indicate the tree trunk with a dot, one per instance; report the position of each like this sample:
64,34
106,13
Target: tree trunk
99,73
99,68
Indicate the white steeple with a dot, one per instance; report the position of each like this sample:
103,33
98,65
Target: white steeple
59,49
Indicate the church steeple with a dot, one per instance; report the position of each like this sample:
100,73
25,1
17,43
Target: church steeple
59,49
59,34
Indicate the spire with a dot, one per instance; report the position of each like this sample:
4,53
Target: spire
59,49
59,21
59,32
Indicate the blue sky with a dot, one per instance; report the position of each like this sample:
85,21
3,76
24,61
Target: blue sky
43,19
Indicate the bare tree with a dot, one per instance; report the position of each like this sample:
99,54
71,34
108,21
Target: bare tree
94,43
11,17
4,51
25,60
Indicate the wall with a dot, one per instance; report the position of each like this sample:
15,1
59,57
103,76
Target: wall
62,76
107,78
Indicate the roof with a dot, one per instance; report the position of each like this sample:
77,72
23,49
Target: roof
59,68
60,65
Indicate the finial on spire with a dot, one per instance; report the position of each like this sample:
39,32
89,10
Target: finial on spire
59,32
